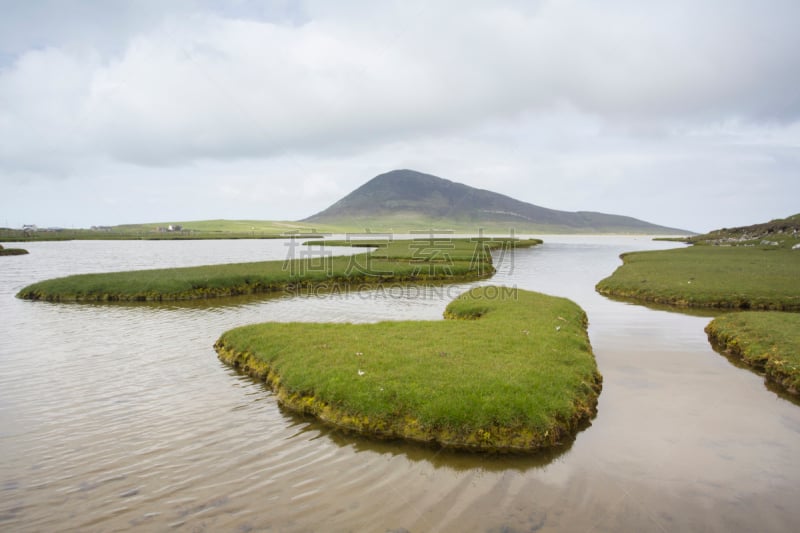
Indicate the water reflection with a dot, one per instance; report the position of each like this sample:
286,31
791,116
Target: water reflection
691,311
121,416
436,456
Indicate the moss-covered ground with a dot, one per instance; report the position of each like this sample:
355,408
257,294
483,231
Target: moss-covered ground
507,370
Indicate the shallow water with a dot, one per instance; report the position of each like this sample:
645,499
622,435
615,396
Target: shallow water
118,417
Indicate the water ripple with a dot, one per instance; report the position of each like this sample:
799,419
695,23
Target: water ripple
116,417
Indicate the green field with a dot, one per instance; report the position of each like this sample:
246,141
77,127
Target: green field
766,341
396,223
200,229
508,370
710,276
413,260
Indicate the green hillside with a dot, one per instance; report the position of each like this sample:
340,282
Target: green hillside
780,233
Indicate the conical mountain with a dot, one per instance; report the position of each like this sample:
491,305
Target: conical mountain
418,200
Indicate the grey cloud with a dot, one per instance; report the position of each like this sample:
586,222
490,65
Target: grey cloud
108,25
205,85
602,97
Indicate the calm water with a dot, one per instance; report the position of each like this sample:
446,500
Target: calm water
120,417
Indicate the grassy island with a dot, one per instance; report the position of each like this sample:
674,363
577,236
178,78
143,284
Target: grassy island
12,251
735,277
762,278
413,260
766,341
507,370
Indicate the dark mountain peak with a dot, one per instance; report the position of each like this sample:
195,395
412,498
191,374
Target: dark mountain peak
416,197
407,183
405,176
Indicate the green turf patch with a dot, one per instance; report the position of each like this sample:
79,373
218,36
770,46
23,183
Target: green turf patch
766,341
710,276
12,251
196,230
403,261
507,370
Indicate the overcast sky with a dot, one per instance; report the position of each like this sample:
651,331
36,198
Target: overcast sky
682,113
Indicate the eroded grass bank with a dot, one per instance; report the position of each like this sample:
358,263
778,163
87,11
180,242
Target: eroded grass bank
769,342
508,370
733,277
414,260
710,276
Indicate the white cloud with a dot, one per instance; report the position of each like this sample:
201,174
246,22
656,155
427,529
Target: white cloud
616,100
41,124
